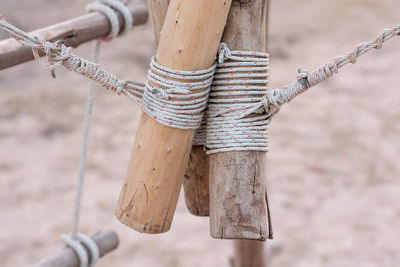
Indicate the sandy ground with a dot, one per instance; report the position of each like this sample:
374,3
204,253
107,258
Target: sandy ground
333,165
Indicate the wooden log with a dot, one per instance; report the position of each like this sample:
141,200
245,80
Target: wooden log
158,11
248,253
74,32
106,241
195,183
189,41
237,179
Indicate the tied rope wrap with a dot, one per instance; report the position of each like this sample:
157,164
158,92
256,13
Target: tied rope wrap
176,98
83,245
236,119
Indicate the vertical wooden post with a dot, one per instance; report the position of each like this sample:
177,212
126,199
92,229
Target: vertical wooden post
237,179
248,253
189,41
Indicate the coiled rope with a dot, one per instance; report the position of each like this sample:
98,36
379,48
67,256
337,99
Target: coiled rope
236,119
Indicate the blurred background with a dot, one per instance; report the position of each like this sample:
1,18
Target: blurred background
333,167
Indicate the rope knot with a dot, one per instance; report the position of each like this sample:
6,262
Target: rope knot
302,78
160,93
223,52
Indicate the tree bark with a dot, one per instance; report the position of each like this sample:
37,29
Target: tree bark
237,179
160,154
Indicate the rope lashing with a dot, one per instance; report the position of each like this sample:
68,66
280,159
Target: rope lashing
107,7
58,54
278,97
236,119
82,244
176,98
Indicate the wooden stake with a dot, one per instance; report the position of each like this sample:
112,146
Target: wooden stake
248,253
195,183
74,32
237,179
106,241
189,41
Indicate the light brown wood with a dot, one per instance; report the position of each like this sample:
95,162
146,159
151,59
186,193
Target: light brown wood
248,253
237,179
189,41
195,184
158,11
74,32
106,241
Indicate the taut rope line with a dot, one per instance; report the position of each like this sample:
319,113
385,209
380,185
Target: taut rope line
159,90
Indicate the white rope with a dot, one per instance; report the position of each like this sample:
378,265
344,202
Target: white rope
108,8
105,7
58,54
176,98
306,79
82,244
236,119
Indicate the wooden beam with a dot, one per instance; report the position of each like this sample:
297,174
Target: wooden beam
237,179
74,32
189,41
106,241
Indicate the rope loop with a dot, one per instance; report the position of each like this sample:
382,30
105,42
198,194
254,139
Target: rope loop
109,9
176,98
85,248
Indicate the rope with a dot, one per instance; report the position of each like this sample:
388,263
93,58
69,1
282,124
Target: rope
177,98
306,79
82,244
58,54
107,8
236,119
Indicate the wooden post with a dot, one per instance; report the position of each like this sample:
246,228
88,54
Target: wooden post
106,241
248,253
195,183
237,179
189,41
74,32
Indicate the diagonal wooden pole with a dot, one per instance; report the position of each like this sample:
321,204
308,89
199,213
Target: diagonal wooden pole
189,41
73,32
238,208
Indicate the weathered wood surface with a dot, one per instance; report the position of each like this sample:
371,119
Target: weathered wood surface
237,179
248,253
196,183
106,241
189,41
74,32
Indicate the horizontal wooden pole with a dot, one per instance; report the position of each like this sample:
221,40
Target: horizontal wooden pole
74,32
106,241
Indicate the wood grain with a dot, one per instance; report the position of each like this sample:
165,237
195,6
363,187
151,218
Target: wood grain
188,41
237,179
